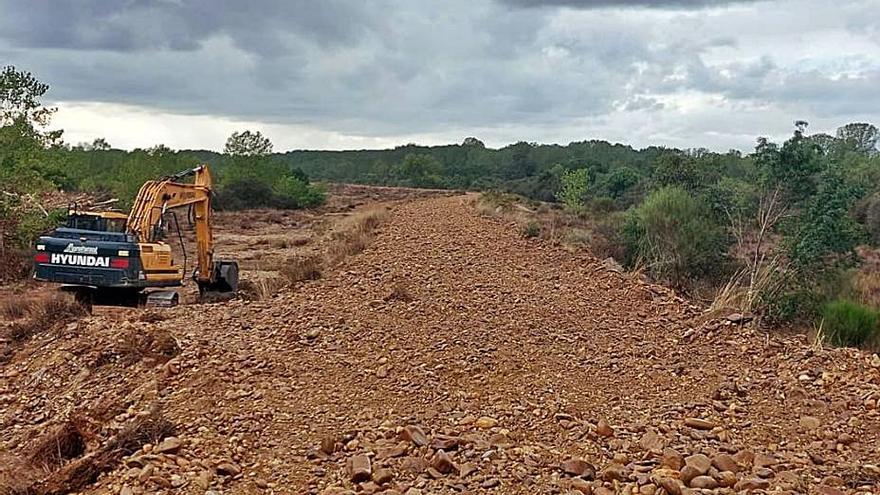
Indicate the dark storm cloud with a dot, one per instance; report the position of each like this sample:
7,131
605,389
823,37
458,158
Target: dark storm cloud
592,4
390,67
128,25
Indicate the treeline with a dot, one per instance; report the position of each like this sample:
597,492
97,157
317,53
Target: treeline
776,230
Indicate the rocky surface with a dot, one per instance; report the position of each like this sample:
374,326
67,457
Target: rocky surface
512,366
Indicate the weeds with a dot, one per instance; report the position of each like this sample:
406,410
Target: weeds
262,287
43,314
80,472
530,230
62,443
355,234
14,308
140,343
850,324
301,268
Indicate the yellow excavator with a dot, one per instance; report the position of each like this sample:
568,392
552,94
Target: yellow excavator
109,258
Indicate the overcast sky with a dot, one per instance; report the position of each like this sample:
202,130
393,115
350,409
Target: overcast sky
334,74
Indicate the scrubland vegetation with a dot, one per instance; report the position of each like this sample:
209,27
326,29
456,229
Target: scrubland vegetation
777,231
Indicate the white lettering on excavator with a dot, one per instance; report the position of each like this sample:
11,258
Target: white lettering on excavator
73,248
78,259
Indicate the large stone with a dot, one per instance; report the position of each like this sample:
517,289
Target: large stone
699,424
672,459
228,469
414,434
725,462
603,429
442,462
652,442
582,486
328,445
751,483
383,476
699,462
671,485
444,442
359,468
614,472
688,473
764,460
726,479
168,446
706,482
578,467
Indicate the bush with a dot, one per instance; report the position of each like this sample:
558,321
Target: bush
530,230
575,184
291,193
244,193
302,268
676,237
850,324
288,193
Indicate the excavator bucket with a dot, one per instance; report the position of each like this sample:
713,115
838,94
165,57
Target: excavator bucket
224,280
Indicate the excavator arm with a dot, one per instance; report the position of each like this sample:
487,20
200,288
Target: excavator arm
158,196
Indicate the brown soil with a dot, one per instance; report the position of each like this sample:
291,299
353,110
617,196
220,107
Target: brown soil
451,355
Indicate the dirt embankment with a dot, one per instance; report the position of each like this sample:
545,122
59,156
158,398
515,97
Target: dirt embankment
451,355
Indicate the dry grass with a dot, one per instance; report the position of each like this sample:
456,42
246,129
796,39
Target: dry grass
14,308
84,470
355,234
260,288
866,285
60,444
139,343
301,268
42,314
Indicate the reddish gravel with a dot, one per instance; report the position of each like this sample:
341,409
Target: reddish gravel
454,356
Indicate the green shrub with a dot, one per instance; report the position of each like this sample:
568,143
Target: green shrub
251,192
850,324
575,184
244,193
676,237
531,229
291,192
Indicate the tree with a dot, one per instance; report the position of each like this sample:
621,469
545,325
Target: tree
247,143
575,184
859,137
791,168
826,233
421,170
23,138
620,180
472,141
678,169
